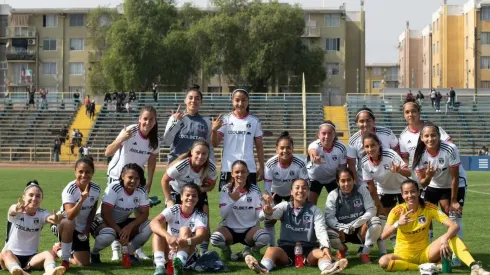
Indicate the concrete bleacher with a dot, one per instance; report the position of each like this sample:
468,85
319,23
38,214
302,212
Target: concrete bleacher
277,113
467,124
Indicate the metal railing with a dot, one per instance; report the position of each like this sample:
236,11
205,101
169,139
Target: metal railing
20,31
21,55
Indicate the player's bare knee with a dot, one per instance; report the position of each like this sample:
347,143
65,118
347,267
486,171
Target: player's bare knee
185,232
384,262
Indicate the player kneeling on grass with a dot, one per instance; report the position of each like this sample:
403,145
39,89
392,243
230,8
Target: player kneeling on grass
79,204
25,223
351,216
240,204
302,222
113,222
411,221
182,227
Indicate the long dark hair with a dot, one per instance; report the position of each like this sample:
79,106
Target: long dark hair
243,91
188,154
285,136
416,185
138,169
375,138
200,204
87,160
343,170
153,135
367,110
247,182
419,151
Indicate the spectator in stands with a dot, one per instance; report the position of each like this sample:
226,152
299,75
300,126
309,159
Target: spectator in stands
44,100
433,97
452,98
132,96
30,95
438,101
80,152
483,151
86,150
409,96
76,98
63,134
128,107
107,97
119,103
79,138
448,102
420,98
122,94
72,146
155,92
56,149
87,104
92,110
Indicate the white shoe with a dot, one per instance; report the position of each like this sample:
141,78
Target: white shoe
335,267
141,255
428,269
115,255
455,262
478,270
59,270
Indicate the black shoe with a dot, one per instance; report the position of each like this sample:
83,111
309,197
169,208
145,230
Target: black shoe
95,258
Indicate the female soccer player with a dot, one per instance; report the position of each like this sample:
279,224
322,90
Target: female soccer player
280,172
411,220
439,171
112,222
192,167
79,204
182,227
239,130
327,154
240,204
140,144
351,216
184,128
303,222
25,223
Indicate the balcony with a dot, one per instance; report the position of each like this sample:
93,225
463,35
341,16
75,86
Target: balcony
21,32
311,31
21,55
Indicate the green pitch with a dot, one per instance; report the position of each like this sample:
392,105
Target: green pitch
476,221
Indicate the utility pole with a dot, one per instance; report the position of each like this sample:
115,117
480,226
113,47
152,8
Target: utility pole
475,69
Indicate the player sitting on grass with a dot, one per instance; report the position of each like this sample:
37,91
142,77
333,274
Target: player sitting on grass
411,220
180,227
25,223
301,222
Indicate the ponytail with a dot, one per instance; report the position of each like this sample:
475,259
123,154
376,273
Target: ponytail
419,151
153,135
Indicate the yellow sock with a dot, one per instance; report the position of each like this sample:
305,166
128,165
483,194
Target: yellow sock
458,247
400,265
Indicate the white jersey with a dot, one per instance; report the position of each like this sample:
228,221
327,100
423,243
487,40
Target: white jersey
325,173
355,149
181,173
176,219
72,193
239,135
242,214
386,181
122,203
23,232
134,150
408,142
448,156
281,178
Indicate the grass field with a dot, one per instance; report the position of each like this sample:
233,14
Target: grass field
476,221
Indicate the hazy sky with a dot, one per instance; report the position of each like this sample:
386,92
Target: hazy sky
385,19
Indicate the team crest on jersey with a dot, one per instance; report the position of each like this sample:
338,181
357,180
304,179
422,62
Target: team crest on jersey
192,224
334,157
386,166
200,127
136,201
276,173
35,221
249,125
249,199
422,220
441,160
409,141
134,143
291,173
357,203
307,218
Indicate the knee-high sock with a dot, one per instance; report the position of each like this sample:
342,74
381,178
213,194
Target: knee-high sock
459,248
271,229
140,239
372,235
400,265
261,238
104,239
218,239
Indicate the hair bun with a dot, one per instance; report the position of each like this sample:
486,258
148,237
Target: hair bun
285,134
195,87
32,182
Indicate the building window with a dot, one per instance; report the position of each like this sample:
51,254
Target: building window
49,44
485,13
50,21
437,24
77,20
485,84
49,68
485,63
332,44
377,71
3,65
466,18
333,68
376,84
485,38
77,68
332,20
76,44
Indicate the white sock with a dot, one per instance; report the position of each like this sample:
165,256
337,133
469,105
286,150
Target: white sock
272,234
65,251
140,239
104,239
382,246
182,255
159,258
14,266
267,263
322,264
116,246
49,266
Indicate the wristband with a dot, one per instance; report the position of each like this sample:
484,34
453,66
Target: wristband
189,241
396,225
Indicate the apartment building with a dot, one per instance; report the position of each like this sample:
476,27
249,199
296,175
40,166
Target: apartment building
380,76
410,56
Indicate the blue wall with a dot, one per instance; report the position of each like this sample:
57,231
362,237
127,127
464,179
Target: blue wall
476,163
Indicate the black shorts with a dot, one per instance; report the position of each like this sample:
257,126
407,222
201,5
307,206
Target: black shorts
390,200
434,195
98,220
238,237
278,199
77,245
203,200
24,261
316,186
225,178
31,101
289,249
354,238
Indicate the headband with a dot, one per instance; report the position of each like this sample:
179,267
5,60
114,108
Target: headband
416,104
327,124
200,141
240,90
31,184
367,111
429,125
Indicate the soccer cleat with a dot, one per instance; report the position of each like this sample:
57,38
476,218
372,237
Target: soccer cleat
178,266
54,230
141,255
95,258
134,260
59,270
254,265
159,270
365,258
56,249
341,254
428,269
236,256
65,264
115,255
455,262
154,201
17,271
335,267
476,269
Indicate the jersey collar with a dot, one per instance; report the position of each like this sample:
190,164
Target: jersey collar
183,214
141,134
240,117
437,153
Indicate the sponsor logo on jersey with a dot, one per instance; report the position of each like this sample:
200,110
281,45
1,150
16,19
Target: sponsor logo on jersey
177,222
183,136
27,229
174,230
334,157
121,199
141,152
357,203
441,160
130,209
276,173
242,207
231,132
422,220
347,217
297,229
135,143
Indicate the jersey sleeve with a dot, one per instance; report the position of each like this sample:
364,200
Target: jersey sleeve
143,198
258,130
201,221
44,216
313,145
394,214
110,197
351,152
343,157
330,211
320,228
67,197
397,159
225,203
444,134
421,165
212,174
172,172
156,151
393,141
454,157
438,215
121,134
167,214
403,149
173,126
277,212
303,173
366,176
222,129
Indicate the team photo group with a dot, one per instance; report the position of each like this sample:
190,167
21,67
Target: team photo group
381,188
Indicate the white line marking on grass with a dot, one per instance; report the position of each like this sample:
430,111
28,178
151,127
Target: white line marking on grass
484,193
